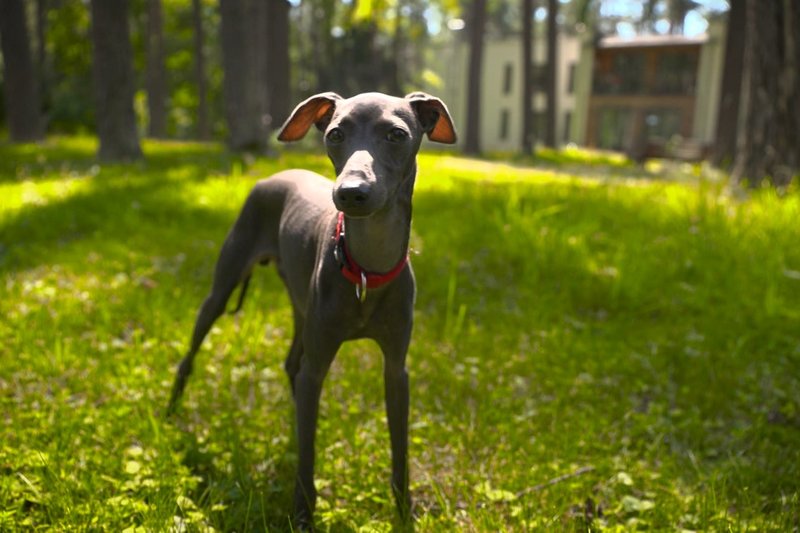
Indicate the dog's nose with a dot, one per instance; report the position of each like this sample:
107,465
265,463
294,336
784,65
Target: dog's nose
353,193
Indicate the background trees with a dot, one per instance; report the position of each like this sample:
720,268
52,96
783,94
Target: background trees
527,76
244,41
21,84
113,81
232,68
279,102
476,27
201,83
768,144
552,62
156,81
727,121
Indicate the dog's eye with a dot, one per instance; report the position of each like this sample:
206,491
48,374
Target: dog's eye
397,135
335,136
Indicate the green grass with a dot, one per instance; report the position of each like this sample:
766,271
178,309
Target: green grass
601,352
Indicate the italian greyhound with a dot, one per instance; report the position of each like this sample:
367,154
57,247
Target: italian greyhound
341,250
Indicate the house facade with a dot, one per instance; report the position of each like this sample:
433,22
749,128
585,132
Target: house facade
501,98
634,95
653,91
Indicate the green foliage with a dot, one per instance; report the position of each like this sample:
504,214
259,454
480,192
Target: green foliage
68,75
69,104
353,47
179,62
589,353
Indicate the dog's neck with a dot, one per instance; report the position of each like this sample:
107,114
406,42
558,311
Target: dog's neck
380,241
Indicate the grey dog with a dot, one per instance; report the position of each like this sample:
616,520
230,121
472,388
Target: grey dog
341,250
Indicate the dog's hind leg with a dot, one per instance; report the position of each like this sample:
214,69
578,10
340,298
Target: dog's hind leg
244,247
293,359
230,270
242,294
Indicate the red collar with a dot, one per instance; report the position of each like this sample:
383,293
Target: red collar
353,272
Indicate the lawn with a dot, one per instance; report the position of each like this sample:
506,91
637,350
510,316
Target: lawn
595,348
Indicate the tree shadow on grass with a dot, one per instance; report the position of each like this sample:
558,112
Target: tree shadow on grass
34,161
239,499
142,215
244,498
145,205
61,157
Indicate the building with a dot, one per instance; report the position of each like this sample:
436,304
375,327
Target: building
501,117
644,96
654,90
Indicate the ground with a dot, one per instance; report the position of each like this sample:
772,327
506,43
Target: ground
597,346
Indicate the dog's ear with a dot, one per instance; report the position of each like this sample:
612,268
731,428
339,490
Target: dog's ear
316,110
433,116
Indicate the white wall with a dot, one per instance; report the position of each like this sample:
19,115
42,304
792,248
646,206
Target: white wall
498,53
494,102
450,63
709,84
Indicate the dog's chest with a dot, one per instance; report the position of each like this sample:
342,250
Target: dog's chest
360,318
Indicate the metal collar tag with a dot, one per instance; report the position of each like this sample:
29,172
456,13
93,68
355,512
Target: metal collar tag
361,288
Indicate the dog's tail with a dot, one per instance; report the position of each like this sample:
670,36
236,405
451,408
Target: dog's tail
242,293
243,290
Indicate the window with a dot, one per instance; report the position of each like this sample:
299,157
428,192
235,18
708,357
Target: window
630,69
619,73
539,75
676,73
504,119
613,127
662,124
508,78
539,123
571,78
567,125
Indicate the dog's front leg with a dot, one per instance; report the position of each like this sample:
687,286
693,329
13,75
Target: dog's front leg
395,380
316,361
396,388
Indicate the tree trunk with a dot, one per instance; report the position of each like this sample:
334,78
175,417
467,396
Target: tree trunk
280,104
769,141
528,135
368,80
243,25
413,53
552,72
233,40
256,22
322,14
728,114
649,16
113,81
676,14
41,54
21,86
477,24
203,129
396,60
156,74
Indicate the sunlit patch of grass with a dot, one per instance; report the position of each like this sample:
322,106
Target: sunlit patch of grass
591,350
567,156
582,156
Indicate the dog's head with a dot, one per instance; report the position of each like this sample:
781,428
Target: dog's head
372,140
